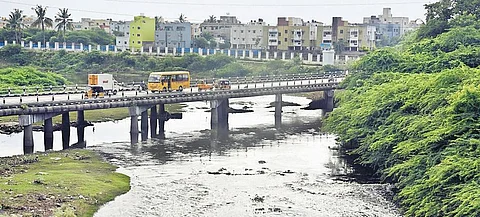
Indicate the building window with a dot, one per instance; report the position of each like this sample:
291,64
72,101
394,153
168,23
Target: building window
138,42
133,42
125,42
138,35
286,31
241,31
243,39
279,42
119,42
341,31
286,39
254,31
279,34
138,27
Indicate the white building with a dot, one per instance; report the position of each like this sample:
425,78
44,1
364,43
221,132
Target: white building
249,36
387,18
89,24
122,42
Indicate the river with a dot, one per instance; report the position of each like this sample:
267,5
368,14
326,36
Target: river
254,169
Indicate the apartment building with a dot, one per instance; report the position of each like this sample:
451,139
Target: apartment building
249,36
355,37
89,24
221,28
122,28
293,34
389,26
196,30
174,35
142,32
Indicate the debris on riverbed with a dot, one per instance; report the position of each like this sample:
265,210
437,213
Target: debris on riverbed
235,111
284,104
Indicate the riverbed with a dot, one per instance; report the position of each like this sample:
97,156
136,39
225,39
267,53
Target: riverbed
253,169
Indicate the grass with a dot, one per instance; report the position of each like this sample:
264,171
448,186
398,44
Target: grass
99,115
58,183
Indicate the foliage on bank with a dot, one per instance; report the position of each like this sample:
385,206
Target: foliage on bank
413,114
92,37
67,183
28,77
129,67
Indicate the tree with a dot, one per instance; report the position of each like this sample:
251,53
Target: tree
339,46
64,21
212,19
15,22
182,18
158,21
42,21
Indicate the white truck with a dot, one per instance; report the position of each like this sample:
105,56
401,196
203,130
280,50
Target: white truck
105,81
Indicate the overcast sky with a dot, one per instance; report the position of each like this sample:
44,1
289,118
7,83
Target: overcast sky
245,10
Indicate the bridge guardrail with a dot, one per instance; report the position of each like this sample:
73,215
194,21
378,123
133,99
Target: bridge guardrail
175,95
140,86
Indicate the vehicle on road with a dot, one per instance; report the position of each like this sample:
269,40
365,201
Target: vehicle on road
94,92
223,84
202,85
106,81
168,81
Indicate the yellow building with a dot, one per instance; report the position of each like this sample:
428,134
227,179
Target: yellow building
356,37
293,34
142,32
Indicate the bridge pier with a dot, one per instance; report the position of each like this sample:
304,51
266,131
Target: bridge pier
134,112
162,117
28,139
144,125
219,112
153,121
48,134
328,97
66,130
81,128
278,110
26,121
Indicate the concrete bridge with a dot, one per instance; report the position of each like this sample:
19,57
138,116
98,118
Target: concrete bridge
33,111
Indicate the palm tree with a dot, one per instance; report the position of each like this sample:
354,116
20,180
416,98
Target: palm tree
42,20
212,19
15,22
64,21
158,21
182,18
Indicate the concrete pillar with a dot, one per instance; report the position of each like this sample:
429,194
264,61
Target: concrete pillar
98,48
301,56
292,55
81,127
73,46
278,109
153,121
39,45
14,42
229,52
208,52
318,57
310,57
158,51
141,50
275,55
28,139
200,51
328,96
144,125
161,121
236,54
150,50
48,134
174,51
115,49
30,45
5,43
250,54
81,46
244,53
134,128
267,55
260,55
89,48
214,51
219,112
183,51
22,43
56,46
47,45
66,130
283,55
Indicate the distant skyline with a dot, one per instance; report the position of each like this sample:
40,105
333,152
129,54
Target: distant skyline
245,10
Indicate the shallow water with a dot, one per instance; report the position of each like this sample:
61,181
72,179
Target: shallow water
253,169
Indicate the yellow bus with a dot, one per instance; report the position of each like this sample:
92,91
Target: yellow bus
168,81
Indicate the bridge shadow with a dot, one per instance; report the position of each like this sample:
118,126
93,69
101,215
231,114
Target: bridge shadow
222,141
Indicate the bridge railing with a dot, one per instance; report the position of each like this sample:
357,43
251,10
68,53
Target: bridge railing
172,97
16,91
